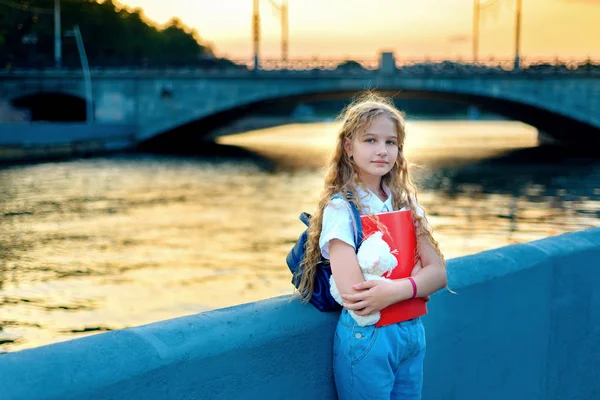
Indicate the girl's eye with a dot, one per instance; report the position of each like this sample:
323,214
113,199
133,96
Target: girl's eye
370,140
391,142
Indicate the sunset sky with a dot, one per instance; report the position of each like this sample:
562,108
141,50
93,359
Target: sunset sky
411,28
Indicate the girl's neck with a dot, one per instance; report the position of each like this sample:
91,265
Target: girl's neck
376,187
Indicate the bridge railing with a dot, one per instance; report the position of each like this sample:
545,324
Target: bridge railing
441,64
362,67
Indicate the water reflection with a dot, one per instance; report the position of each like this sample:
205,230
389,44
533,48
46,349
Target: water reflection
539,191
99,244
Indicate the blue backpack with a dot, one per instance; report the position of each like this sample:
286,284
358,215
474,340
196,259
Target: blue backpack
321,297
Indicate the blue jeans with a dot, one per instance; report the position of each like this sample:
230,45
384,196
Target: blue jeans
378,363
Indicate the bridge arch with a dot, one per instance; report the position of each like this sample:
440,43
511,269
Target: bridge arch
52,106
561,127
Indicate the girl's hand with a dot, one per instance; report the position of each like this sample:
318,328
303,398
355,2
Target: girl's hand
418,266
372,296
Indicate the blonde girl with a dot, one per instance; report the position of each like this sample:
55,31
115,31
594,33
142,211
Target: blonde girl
368,168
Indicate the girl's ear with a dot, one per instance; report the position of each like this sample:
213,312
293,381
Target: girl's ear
348,147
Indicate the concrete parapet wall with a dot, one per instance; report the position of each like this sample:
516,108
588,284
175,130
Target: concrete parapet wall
24,141
524,324
57,133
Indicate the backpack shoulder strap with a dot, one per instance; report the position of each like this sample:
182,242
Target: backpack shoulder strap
358,231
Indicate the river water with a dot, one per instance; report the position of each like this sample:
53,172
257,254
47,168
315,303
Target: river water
106,243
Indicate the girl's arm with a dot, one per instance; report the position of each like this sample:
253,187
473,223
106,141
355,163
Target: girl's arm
371,296
344,266
432,276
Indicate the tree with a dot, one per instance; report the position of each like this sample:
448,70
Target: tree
113,36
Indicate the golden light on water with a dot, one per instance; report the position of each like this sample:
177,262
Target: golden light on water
424,141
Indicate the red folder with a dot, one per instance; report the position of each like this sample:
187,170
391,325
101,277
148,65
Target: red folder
400,236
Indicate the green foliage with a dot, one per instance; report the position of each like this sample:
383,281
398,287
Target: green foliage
112,35
350,65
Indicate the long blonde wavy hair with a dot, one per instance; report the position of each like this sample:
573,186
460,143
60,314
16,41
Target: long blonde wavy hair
342,177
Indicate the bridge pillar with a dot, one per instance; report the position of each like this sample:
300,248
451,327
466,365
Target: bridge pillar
387,63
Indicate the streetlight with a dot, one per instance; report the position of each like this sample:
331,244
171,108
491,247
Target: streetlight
256,31
476,10
518,34
281,6
57,38
87,78
284,30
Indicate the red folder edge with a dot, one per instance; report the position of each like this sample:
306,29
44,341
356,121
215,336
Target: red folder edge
402,238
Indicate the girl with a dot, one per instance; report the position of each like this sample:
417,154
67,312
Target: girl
369,166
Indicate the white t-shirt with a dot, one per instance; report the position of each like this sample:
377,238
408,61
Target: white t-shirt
338,220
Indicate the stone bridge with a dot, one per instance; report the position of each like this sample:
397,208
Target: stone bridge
168,104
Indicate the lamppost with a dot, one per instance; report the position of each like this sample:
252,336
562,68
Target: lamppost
284,30
87,78
476,11
518,34
281,6
256,31
477,8
57,37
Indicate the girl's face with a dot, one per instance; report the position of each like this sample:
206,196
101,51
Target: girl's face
375,150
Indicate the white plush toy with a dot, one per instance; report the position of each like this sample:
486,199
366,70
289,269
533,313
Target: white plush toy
375,259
